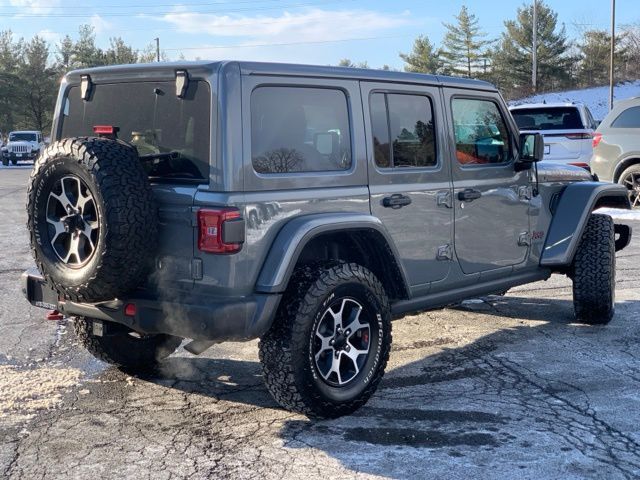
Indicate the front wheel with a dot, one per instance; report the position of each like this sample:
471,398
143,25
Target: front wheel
5,162
594,272
328,347
14,161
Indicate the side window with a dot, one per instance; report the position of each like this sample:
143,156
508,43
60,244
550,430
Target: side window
296,129
480,132
403,130
630,118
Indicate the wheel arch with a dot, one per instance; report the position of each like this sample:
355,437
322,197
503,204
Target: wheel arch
623,165
568,224
358,238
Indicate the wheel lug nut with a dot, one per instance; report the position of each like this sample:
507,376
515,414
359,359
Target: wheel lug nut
332,342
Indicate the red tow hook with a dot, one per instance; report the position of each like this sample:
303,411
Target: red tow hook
54,315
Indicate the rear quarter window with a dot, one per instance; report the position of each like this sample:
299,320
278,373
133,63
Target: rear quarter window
630,118
150,116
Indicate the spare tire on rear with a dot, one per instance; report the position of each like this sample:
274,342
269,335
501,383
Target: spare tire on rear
92,219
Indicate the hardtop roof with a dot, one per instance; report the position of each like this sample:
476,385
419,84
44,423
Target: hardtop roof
280,69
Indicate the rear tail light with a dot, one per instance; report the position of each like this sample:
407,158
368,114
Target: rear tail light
597,138
578,136
218,230
106,131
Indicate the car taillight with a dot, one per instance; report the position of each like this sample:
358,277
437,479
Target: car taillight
597,138
216,232
578,136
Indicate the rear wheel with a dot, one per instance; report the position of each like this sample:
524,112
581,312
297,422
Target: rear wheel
328,348
125,348
14,161
5,161
594,272
630,178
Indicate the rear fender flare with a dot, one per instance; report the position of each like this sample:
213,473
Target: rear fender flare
297,233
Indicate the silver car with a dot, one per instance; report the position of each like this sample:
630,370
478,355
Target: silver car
616,148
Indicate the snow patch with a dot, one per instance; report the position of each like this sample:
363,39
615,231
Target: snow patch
620,214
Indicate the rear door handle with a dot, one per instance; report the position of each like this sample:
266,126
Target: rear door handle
469,195
396,200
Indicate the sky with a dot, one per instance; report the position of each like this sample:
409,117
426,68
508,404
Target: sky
299,31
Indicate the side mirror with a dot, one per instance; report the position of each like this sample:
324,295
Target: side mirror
326,143
531,147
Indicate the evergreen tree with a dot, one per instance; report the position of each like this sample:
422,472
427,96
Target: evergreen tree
595,53
65,55
512,60
38,86
463,46
10,55
423,58
86,53
119,53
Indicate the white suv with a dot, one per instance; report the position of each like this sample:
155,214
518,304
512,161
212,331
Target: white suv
567,128
22,145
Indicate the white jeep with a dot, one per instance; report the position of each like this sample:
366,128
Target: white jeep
22,145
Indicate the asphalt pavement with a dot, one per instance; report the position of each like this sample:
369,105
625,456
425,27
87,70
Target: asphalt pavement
497,388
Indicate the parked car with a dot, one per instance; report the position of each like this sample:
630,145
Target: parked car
22,145
302,205
616,148
567,129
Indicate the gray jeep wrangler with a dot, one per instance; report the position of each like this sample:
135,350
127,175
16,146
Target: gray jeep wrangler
305,206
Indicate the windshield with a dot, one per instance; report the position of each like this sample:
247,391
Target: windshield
171,134
22,137
553,118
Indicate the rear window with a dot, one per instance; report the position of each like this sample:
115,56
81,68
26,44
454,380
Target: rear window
630,118
170,133
22,137
565,118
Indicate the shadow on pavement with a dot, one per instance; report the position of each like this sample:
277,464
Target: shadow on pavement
501,399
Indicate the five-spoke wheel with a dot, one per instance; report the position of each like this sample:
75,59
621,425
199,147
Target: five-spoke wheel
72,219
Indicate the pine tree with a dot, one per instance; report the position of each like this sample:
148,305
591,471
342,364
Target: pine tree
595,53
86,53
38,86
512,60
423,58
119,53
10,55
463,46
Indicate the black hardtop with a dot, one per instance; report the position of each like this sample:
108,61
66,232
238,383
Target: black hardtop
163,70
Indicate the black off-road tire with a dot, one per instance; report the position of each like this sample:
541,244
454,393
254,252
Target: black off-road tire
594,272
5,162
289,368
122,348
126,217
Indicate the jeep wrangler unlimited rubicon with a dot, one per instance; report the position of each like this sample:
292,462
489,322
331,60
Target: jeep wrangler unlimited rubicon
305,206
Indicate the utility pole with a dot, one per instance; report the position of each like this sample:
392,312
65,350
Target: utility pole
613,49
157,49
534,52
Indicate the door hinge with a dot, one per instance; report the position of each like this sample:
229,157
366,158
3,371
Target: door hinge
525,192
443,199
524,240
444,253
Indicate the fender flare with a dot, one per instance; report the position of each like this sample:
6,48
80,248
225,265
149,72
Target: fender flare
298,232
568,224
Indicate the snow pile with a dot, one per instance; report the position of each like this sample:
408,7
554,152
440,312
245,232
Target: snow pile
596,98
28,391
619,214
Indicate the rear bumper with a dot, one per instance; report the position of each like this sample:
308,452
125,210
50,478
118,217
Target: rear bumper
211,318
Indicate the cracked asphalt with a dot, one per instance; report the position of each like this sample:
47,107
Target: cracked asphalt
496,388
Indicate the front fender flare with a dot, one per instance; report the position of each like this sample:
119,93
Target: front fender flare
572,211
298,232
